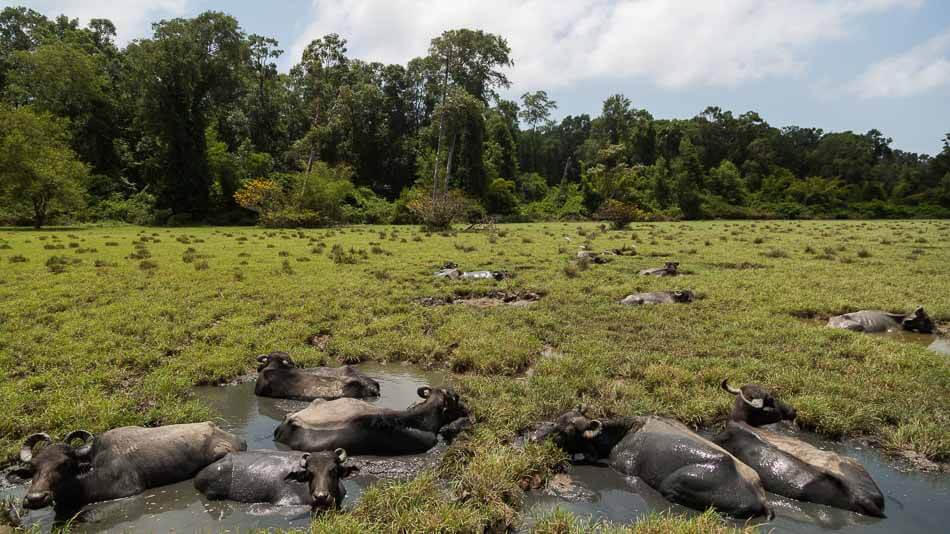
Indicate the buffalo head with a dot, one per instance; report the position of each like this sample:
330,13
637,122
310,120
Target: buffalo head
274,360
671,266
56,468
445,404
324,472
918,321
756,406
573,432
683,296
356,385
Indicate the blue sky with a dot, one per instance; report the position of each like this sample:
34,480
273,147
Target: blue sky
833,64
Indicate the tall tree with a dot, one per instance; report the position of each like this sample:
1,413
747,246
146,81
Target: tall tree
186,70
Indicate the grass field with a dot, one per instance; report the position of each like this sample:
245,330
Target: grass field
103,327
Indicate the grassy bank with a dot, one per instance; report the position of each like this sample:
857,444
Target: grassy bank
102,327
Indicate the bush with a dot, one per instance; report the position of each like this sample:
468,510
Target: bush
291,218
620,214
440,212
136,209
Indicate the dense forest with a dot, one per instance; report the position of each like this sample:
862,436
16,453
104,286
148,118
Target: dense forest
195,124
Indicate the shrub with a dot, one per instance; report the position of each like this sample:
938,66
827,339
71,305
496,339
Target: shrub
135,209
620,214
440,211
292,218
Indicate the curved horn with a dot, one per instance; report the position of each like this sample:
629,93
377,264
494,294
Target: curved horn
725,385
262,358
424,392
26,451
340,455
86,438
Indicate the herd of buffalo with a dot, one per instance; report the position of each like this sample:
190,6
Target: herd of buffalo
730,471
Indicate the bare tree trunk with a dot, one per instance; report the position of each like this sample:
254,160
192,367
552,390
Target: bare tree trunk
567,165
438,148
448,163
310,159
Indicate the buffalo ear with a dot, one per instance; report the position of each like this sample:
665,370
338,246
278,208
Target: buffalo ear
424,392
594,426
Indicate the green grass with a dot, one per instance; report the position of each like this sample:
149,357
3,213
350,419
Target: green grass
119,327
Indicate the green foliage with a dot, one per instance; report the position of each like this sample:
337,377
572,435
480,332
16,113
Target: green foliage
500,197
138,208
40,177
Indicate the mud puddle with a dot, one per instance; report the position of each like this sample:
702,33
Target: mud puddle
939,343
915,501
487,300
179,507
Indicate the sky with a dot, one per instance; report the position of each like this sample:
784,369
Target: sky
833,64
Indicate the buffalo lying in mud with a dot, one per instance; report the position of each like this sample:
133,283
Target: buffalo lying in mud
284,478
879,321
593,257
119,463
659,297
667,270
362,428
278,377
683,466
452,272
789,466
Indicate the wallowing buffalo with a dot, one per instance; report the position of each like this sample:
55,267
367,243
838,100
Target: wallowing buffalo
283,478
362,428
789,466
667,270
757,406
119,463
659,297
880,321
683,466
278,376
453,272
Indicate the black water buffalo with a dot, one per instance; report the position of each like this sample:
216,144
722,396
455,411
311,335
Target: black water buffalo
279,377
659,297
757,406
119,463
880,321
683,466
453,272
667,270
284,478
362,428
789,466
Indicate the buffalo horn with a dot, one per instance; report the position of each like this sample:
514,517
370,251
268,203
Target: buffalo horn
755,403
340,455
86,438
26,451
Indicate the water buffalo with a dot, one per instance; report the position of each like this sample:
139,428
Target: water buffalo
119,463
879,321
757,406
795,469
789,466
591,256
278,377
667,270
683,466
659,297
454,273
284,478
362,428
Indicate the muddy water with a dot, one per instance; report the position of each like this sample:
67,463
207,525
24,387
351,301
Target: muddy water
914,501
936,343
181,508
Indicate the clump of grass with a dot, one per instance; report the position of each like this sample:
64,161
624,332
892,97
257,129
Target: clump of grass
465,248
283,253
759,240
104,263
111,244
58,264
148,265
286,268
561,521
52,246
863,253
350,257
19,258
140,253
775,253
202,265
925,436
809,250
571,270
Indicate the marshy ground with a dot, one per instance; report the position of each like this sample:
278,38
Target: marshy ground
104,327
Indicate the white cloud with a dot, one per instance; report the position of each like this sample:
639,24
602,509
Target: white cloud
132,18
675,44
922,68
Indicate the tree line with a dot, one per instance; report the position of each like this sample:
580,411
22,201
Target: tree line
196,124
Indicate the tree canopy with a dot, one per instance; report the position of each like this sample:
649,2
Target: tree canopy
182,123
